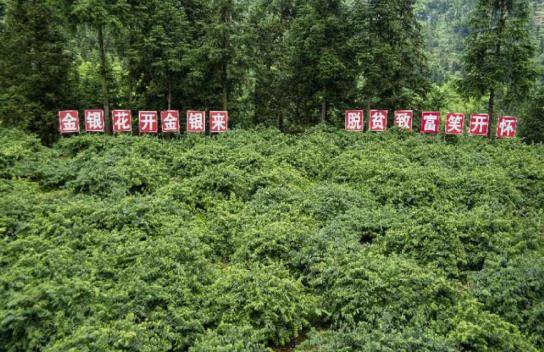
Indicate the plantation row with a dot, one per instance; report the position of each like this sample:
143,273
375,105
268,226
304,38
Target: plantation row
255,240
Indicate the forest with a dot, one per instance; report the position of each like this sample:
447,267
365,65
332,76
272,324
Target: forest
288,64
285,232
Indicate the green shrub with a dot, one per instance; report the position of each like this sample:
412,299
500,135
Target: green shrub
258,240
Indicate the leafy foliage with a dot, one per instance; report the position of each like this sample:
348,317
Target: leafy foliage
256,239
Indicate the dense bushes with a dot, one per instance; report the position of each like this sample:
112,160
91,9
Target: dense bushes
249,241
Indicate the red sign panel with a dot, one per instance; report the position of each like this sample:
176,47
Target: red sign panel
148,121
354,120
403,119
68,121
378,120
196,121
507,127
455,123
122,120
170,121
479,124
219,121
430,122
94,120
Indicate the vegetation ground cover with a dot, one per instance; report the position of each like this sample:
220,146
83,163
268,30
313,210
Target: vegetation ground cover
256,240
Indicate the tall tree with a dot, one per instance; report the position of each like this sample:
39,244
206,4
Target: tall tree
269,22
322,59
222,44
499,51
103,17
35,67
158,42
391,53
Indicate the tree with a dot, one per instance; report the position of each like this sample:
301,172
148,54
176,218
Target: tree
103,17
393,62
158,42
35,67
498,57
532,125
269,22
221,46
322,62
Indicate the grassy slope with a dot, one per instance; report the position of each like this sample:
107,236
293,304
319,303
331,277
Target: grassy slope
253,240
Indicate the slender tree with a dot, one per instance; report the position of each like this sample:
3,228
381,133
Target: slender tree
104,17
391,53
35,67
499,51
322,62
158,42
221,45
269,23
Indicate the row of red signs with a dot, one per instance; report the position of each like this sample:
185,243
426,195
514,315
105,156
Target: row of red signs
479,124
148,121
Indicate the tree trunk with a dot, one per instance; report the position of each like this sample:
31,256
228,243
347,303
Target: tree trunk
104,77
324,111
500,28
169,93
491,103
225,97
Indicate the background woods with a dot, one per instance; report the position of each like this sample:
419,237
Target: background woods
283,63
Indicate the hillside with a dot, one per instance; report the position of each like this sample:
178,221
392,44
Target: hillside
256,240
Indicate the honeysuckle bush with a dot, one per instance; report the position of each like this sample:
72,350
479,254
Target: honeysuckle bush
258,240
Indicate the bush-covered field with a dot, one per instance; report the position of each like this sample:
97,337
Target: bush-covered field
259,241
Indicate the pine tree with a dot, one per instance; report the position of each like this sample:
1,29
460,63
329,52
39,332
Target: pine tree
221,47
269,22
322,62
158,42
392,58
104,18
499,51
35,67
532,124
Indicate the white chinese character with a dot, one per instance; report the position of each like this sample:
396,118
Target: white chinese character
455,123
94,120
506,127
170,122
478,124
218,122
378,120
354,121
430,123
121,121
147,121
196,121
403,120
69,123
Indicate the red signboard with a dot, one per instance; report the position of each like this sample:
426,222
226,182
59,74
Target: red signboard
148,121
94,120
507,127
430,122
170,121
403,119
479,124
354,120
68,121
122,120
219,121
455,123
196,121
378,120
